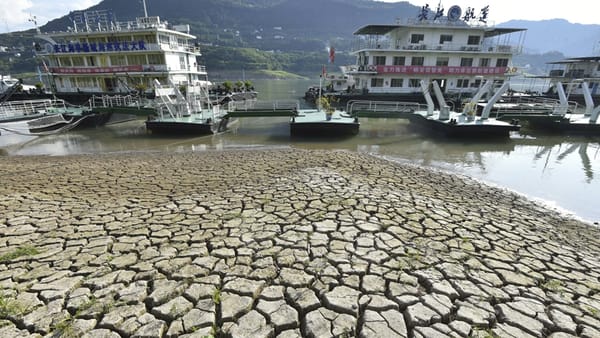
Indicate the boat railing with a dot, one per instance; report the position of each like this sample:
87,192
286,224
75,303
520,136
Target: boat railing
29,107
355,106
534,105
106,101
444,47
253,105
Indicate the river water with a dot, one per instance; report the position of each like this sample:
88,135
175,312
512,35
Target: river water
561,172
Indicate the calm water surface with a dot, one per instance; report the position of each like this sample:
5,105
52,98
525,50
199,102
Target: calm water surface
562,172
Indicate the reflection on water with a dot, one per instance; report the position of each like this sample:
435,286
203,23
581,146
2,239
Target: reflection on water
563,171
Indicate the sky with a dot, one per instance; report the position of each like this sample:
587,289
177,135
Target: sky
15,14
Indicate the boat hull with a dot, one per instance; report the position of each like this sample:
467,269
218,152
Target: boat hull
323,129
311,122
55,123
341,99
564,125
92,119
466,130
186,127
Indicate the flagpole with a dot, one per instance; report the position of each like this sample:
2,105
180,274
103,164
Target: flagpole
321,86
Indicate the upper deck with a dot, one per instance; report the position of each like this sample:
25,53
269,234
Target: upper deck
438,35
100,34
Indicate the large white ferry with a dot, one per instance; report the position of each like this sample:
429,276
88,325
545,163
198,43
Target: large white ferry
458,50
99,55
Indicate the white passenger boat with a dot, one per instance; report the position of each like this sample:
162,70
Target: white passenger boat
456,50
99,55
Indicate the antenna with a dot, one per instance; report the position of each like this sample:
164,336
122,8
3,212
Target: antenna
145,8
33,18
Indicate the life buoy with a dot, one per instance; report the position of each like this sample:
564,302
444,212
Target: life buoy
513,70
371,68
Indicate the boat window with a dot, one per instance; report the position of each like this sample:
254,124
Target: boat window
136,59
414,83
399,60
445,37
417,61
65,62
442,61
182,63
466,62
484,62
417,38
163,39
149,38
379,60
118,60
502,63
462,83
397,83
78,61
156,59
376,82
473,40
476,83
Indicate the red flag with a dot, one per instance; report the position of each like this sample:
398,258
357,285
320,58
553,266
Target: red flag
323,72
331,54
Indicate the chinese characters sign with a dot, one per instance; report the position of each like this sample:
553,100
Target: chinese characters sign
92,47
441,70
426,13
96,70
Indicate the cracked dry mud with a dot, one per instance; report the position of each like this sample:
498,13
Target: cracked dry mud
282,243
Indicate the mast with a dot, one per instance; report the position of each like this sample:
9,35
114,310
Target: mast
145,9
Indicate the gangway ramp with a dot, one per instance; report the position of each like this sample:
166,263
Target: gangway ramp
381,109
262,108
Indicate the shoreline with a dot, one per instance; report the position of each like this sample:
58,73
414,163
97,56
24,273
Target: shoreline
283,242
544,203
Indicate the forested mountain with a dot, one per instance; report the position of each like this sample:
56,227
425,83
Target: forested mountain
289,35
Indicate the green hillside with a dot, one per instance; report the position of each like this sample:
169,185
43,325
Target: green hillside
282,35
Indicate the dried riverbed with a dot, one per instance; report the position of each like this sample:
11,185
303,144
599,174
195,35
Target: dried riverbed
282,243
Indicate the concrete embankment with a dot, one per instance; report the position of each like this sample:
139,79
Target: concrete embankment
282,243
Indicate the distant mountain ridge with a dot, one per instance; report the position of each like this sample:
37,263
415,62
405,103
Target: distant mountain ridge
324,20
292,35
571,39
